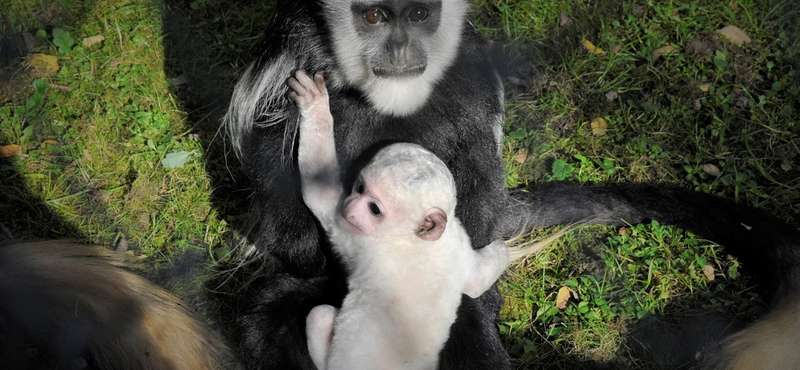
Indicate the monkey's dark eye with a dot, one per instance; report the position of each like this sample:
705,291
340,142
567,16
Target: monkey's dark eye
373,16
418,14
374,209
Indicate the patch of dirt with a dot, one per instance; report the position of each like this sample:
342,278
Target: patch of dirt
703,46
564,126
592,263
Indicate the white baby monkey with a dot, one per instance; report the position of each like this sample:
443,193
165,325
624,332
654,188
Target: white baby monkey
408,257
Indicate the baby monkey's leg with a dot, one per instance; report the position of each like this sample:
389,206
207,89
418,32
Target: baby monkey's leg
319,331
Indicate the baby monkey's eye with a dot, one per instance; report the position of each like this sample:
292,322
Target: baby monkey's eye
374,209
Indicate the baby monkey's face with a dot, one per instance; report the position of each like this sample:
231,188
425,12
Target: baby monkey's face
365,211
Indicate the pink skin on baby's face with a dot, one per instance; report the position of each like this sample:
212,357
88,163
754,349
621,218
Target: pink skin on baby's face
364,212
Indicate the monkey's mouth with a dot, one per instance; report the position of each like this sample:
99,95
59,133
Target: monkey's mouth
351,226
412,71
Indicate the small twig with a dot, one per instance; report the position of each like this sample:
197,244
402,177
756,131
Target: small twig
59,87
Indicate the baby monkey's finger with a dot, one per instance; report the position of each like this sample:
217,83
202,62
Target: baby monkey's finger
296,86
301,76
319,79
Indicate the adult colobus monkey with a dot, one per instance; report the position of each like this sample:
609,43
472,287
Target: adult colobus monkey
64,306
417,71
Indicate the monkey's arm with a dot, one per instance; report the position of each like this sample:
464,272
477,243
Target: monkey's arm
488,263
316,155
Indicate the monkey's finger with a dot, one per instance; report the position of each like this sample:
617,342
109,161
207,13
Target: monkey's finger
319,79
299,73
304,79
297,86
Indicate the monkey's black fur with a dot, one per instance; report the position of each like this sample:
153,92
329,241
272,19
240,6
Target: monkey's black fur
456,124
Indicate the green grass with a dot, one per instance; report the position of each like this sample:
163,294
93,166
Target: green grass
93,136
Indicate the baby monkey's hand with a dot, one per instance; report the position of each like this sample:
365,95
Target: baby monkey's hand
311,97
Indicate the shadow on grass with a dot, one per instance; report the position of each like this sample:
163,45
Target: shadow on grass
208,55
24,216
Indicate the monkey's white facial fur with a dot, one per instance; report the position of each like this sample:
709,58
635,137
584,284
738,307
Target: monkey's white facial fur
395,51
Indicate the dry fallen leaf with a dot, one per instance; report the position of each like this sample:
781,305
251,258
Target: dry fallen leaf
564,20
591,48
43,65
704,87
741,101
599,126
562,298
49,148
617,48
660,52
9,150
91,40
734,34
180,80
625,231
708,271
711,169
612,95
522,156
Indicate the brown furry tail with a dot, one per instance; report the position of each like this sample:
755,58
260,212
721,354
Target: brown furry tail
75,307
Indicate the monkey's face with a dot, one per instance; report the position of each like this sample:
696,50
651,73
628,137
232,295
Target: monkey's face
395,51
395,34
365,212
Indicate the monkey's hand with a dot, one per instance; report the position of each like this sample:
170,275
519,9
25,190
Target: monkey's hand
311,98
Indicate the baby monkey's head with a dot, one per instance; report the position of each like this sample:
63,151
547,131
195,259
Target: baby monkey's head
404,189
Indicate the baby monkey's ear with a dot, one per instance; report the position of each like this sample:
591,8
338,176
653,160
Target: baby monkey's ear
432,227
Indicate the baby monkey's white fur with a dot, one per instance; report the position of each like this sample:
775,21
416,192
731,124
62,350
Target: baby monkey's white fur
408,257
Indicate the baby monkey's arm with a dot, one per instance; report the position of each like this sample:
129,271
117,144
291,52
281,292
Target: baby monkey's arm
316,157
490,261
